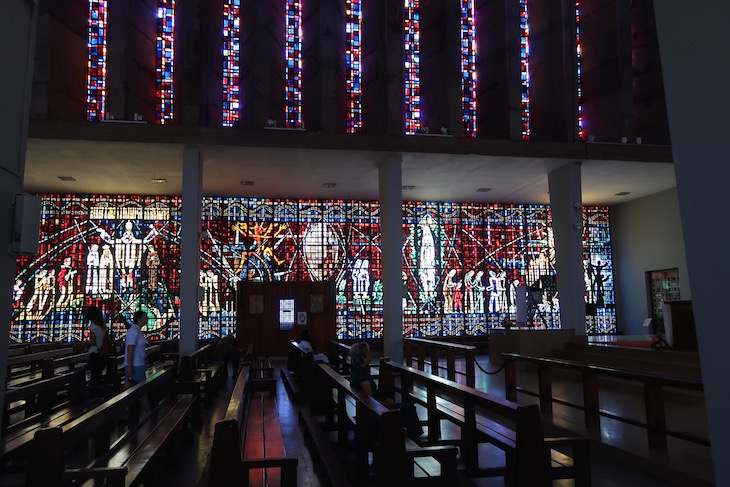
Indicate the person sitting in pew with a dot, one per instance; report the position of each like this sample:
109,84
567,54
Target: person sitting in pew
360,378
307,347
227,350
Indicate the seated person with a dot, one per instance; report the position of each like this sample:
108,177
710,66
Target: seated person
307,347
360,378
226,350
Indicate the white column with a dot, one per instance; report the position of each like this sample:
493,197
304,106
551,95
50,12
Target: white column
696,71
192,193
17,44
391,241
566,206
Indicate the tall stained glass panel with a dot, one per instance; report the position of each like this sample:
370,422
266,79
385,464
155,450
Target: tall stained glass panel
96,63
293,54
165,60
231,62
578,60
469,68
525,68
462,264
353,61
413,66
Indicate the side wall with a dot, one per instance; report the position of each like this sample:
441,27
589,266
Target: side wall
646,235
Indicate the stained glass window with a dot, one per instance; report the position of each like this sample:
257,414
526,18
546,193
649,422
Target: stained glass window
96,64
461,263
469,68
413,66
525,68
293,43
353,61
231,61
165,60
578,60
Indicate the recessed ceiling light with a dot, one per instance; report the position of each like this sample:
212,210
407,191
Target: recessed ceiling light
483,190
407,188
329,185
67,178
623,193
246,183
159,180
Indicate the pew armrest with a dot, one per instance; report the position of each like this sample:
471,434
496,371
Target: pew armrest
115,476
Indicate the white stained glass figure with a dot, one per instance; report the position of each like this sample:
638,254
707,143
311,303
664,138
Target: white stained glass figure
128,251
92,270
361,279
212,283
479,292
427,260
469,292
48,290
448,289
153,264
494,291
321,250
65,283
501,292
106,271
203,289
512,296
38,280
18,291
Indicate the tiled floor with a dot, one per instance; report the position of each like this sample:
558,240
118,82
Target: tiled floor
611,465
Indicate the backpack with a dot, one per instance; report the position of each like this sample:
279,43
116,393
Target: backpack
107,347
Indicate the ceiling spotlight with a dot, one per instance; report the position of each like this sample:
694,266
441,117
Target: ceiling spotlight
444,131
246,183
159,180
407,188
67,178
270,123
329,185
622,193
422,130
483,190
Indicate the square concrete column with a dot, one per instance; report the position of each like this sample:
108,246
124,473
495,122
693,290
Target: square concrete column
17,44
391,241
693,63
566,206
192,193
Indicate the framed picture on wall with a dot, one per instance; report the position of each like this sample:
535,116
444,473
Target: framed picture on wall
301,317
316,303
255,304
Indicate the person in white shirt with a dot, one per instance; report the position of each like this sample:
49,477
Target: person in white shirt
135,343
307,347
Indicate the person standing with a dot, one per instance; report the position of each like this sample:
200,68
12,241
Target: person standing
97,332
134,353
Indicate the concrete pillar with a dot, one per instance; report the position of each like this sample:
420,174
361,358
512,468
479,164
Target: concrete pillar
189,46
323,52
383,97
553,90
692,63
39,101
140,78
68,59
263,34
391,228
206,99
566,207
441,66
606,69
17,45
116,61
192,193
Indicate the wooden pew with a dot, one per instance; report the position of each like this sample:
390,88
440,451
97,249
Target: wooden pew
339,356
121,457
198,374
418,349
532,459
48,368
652,383
248,448
262,375
299,371
380,430
38,399
34,360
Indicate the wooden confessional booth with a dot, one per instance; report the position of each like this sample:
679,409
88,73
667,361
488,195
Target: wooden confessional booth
270,314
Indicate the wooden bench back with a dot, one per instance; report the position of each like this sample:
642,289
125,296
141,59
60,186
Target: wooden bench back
513,426
417,350
32,359
339,357
389,437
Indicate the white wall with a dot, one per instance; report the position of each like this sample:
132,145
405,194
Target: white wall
646,235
